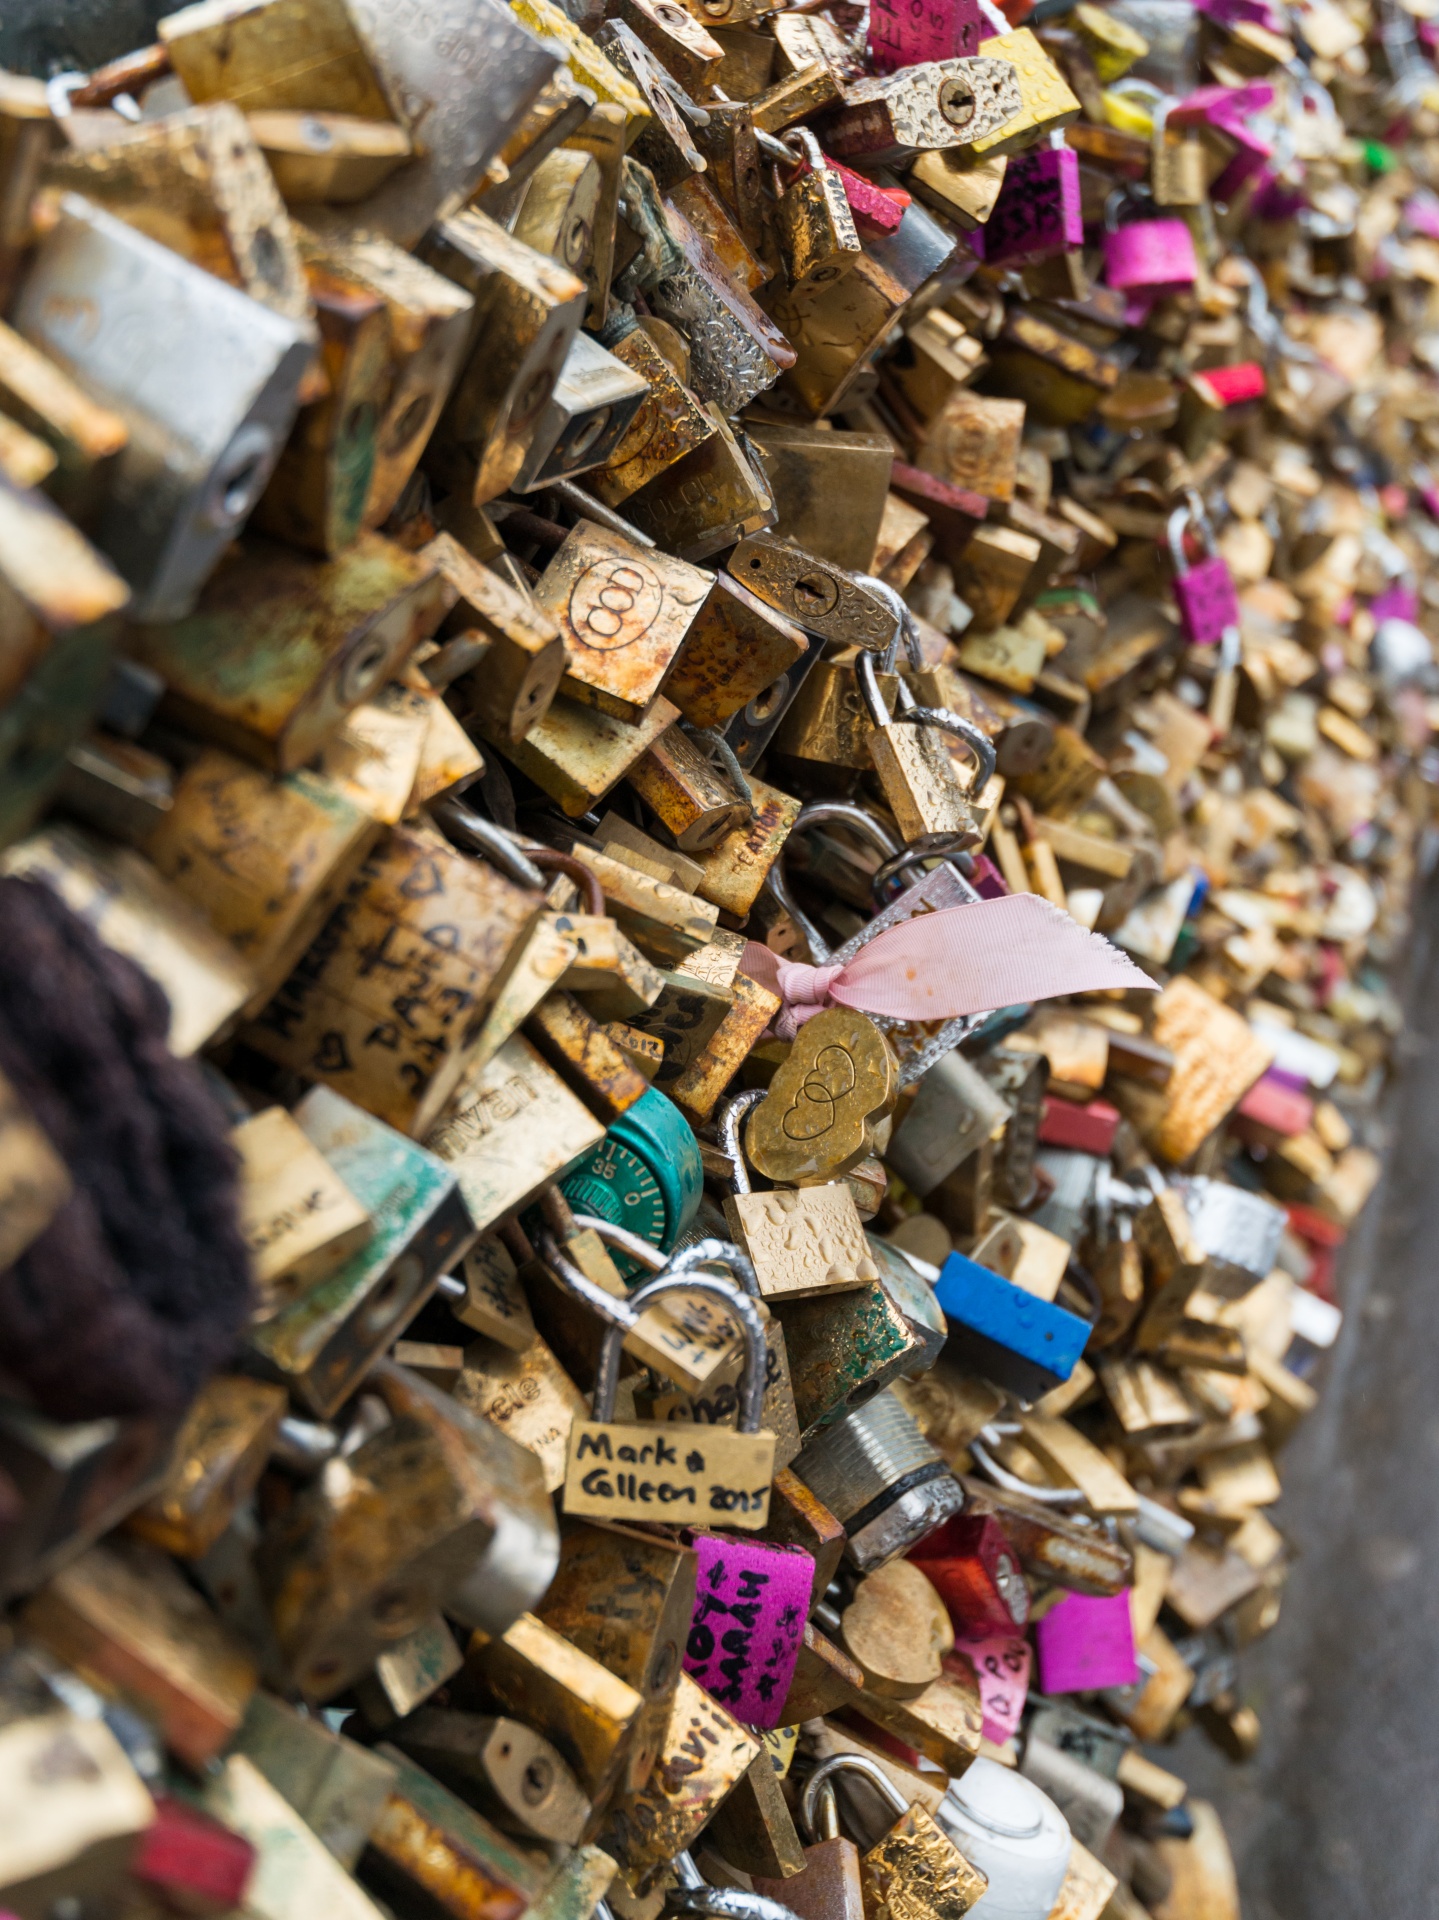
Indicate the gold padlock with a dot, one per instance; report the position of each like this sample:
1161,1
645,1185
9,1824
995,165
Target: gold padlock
915,772
818,239
915,1865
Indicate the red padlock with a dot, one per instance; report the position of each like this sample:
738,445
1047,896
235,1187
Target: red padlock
975,1571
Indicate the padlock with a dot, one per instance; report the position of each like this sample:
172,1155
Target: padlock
830,1886
84,437
220,1453
527,311
399,1040
876,1472
937,104
817,235
507,656
1147,258
337,1786
332,158
558,208
644,1176
503,1768
190,473
663,144
83,1811
1010,1831
124,1620
463,1523
321,1344
626,1598
586,417
1037,213
669,424
915,772
1208,606
1176,167
697,1473
839,1079
737,350
340,626
946,30
591,1714
915,1859
714,496
976,1573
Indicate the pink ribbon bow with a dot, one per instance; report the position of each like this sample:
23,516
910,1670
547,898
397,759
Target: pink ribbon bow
972,959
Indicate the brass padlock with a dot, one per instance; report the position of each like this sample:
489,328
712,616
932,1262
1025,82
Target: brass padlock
435,1510
220,1453
915,1862
669,424
915,771
626,1598
695,1476
506,1769
802,1241
819,241
511,658
1176,167
935,104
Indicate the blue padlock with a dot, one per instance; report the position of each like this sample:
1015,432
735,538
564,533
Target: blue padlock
1020,1342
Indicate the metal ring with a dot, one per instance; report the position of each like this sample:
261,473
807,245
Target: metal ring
847,1763
746,1313
727,1126
712,1252
550,861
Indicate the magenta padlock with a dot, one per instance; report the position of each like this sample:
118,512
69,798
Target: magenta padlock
751,1603
1208,605
1148,257
902,33
1230,112
1037,213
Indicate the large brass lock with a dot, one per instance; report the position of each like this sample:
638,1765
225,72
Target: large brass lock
656,1473
915,772
817,235
915,1868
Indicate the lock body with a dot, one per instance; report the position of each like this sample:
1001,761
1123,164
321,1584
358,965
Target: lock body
875,1471
645,1176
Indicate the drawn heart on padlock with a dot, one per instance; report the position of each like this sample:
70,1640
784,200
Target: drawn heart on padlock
839,1077
828,1080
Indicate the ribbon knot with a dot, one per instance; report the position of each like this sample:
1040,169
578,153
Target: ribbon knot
972,959
806,991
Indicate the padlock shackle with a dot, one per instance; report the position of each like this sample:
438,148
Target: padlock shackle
727,1127
904,629
1191,512
873,699
948,721
809,148
1011,1482
618,1315
615,1236
746,1315
818,1783
474,834
694,1894
819,813
713,1252
915,857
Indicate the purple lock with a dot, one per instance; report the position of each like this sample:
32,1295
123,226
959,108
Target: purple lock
1086,1643
1230,111
751,1603
1204,592
902,33
1037,213
1150,257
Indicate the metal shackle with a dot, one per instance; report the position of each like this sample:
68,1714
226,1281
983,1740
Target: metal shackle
809,149
819,1784
618,1315
727,1127
904,623
616,1236
694,1894
1190,513
977,741
819,813
747,1318
720,1253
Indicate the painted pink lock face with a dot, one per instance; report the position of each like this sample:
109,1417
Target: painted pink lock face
1207,602
751,1603
902,33
1037,213
1149,254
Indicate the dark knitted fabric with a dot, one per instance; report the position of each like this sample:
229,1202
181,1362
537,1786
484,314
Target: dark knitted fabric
139,1288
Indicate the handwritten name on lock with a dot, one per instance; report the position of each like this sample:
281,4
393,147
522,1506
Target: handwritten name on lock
708,1477
751,1603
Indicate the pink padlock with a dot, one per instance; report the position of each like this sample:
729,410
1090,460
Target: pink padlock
1230,111
1037,213
751,1603
1149,257
878,211
902,33
1204,593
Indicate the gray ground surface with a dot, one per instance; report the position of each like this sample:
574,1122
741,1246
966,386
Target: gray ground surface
1336,1815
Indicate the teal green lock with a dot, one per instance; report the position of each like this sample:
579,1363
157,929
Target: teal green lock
644,1175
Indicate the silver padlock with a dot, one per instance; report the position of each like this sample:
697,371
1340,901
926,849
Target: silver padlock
881,1479
206,379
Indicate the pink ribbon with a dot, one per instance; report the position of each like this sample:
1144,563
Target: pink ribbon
973,959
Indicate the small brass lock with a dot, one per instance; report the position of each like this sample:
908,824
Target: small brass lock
916,1867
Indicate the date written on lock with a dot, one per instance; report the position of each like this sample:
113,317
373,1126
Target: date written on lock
650,1473
711,1476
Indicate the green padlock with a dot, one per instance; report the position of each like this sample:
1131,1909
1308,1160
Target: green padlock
645,1176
